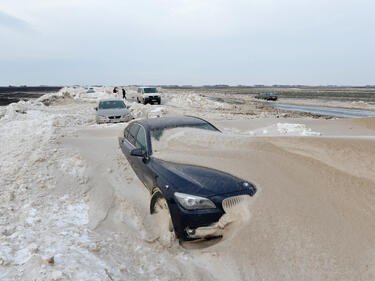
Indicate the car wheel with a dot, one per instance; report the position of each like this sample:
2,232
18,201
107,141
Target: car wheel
138,100
162,218
159,102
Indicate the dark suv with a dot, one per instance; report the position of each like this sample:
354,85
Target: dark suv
266,96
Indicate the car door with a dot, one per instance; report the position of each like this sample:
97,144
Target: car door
142,167
128,142
138,94
142,98
135,137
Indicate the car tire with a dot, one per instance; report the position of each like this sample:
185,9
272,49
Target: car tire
138,100
158,101
159,209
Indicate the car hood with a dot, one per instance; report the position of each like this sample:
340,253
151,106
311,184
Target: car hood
112,112
198,180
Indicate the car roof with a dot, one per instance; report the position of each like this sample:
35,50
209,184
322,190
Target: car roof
111,100
147,87
170,121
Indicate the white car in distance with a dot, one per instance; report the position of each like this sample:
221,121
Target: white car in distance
112,111
148,95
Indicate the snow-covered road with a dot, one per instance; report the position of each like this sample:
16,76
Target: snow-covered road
71,208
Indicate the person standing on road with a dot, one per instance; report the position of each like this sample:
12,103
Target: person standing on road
123,93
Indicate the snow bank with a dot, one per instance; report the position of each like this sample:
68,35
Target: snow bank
41,232
69,95
173,104
47,188
195,101
359,103
279,129
44,203
287,129
139,110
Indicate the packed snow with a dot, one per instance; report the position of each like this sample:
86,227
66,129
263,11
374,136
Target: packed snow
44,211
278,129
71,208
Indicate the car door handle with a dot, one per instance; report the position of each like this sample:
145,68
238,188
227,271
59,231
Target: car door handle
121,141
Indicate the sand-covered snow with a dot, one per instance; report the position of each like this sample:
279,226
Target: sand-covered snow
71,208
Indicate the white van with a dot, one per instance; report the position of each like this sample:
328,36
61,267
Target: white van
148,95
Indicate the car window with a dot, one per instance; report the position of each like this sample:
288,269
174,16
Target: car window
126,131
141,139
111,104
150,90
132,133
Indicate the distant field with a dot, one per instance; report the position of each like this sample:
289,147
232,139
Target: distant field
366,94
14,94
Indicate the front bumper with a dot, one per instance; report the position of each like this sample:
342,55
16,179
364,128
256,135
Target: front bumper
195,224
113,119
152,99
213,230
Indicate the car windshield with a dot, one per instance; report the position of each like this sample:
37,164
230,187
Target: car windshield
158,143
111,104
156,134
150,90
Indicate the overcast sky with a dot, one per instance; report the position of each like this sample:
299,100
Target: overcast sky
120,42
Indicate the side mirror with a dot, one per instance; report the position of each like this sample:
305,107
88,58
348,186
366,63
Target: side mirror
96,108
137,152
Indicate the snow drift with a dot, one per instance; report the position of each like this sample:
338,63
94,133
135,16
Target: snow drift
311,215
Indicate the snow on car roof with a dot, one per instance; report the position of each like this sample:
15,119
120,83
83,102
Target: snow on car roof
110,100
164,122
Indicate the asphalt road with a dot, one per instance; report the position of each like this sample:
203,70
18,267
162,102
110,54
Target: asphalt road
327,111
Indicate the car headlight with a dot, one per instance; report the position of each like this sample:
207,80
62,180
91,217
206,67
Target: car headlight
102,117
192,202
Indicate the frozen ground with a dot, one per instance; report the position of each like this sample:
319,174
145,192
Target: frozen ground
71,207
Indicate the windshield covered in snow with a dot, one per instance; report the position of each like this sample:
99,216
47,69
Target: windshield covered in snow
156,134
111,104
150,90
159,135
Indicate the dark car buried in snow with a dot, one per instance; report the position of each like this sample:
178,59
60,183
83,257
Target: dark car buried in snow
266,96
196,197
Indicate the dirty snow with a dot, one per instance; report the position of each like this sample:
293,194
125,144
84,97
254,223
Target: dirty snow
67,215
44,210
278,129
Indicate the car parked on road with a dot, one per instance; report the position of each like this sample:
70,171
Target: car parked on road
266,96
195,197
148,95
112,111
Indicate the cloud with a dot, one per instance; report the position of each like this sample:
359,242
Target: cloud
188,41
13,22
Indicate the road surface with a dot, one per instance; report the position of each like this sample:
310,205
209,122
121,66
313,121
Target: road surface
328,111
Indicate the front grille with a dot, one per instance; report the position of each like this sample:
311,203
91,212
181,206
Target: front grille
114,117
230,202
